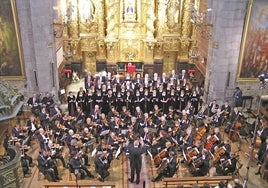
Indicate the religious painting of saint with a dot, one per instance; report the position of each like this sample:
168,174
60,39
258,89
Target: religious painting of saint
253,59
11,61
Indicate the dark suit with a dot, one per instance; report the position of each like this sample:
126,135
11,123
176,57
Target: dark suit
101,167
135,162
47,166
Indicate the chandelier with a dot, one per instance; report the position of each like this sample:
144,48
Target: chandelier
201,22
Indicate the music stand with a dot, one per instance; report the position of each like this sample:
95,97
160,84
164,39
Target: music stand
262,85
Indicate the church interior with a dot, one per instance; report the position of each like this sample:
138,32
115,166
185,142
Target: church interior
91,82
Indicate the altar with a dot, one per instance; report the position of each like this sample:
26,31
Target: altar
130,67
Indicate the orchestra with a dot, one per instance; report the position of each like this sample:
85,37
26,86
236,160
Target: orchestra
164,114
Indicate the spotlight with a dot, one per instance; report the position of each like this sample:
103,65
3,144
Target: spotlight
263,77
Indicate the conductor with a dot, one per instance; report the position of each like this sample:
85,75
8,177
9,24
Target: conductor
135,158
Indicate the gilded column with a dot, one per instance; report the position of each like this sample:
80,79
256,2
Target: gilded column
111,18
161,16
186,30
73,19
150,17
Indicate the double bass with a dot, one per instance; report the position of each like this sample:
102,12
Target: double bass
160,156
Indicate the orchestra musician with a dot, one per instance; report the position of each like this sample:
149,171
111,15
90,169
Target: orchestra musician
103,147
227,164
212,107
213,139
80,119
261,155
200,164
43,138
77,146
17,133
217,118
47,101
102,166
226,109
77,167
47,166
44,118
221,150
55,152
34,103
55,111
32,126
26,160
168,166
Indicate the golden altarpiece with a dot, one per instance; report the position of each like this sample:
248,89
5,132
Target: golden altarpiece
112,31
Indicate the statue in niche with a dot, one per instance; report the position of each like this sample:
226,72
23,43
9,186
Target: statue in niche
129,14
172,12
129,9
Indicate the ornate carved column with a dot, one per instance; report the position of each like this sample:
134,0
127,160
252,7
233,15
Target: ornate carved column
186,31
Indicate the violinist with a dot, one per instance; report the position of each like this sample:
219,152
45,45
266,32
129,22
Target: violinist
58,130
47,101
43,138
26,161
55,111
95,113
55,152
155,115
217,118
76,146
227,165
226,109
86,137
33,126
44,118
47,166
168,166
34,103
158,143
68,122
80,119
76,165
212,107
184,120
186,140
17,133
102,166
103,147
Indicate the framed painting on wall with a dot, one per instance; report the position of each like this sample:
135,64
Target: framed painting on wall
253,58
11,61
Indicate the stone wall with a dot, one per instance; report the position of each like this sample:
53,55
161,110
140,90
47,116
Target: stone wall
228,22
36,28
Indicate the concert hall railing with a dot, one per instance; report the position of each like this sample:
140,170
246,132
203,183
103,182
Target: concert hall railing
11,175
190,181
